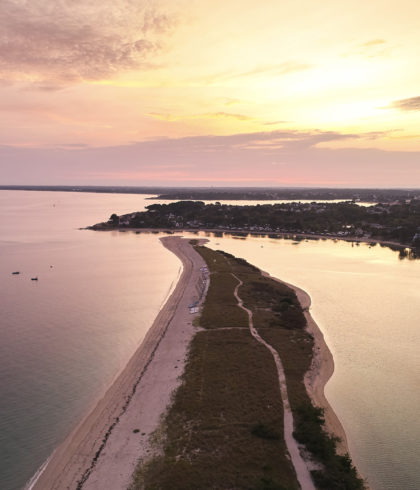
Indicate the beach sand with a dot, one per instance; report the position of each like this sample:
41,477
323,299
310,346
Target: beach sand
103,450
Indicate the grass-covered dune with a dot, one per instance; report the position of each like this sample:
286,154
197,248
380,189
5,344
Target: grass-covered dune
224,429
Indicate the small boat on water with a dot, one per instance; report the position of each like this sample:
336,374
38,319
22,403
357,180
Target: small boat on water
34,278
15,273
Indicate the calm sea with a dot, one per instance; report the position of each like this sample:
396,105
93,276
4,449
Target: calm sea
66,336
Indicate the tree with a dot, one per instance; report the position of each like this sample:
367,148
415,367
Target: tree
114,219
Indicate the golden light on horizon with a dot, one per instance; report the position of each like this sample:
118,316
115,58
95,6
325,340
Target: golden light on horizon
159,69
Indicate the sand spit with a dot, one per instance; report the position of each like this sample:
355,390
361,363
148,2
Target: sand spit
103,450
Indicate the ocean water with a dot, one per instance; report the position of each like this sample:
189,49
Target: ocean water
64,338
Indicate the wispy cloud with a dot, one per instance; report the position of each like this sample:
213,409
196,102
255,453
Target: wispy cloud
373,42
372,48
70,40
208,115
274,123
410,104
280,69
231,101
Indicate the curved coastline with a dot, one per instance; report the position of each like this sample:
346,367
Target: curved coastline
72,461
322,368
277,234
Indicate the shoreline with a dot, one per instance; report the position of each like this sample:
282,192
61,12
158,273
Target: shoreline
244,233
73,461
321,370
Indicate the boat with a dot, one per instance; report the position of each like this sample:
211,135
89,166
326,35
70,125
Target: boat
34,278
15,273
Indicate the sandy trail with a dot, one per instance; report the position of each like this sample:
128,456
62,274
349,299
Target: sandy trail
302,471
102,452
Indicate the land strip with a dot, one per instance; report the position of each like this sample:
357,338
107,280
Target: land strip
225,427
235,193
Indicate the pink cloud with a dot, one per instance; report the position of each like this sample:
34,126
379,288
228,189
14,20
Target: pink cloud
209,160
71,40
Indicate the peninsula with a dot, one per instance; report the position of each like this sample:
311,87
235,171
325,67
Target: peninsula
226,391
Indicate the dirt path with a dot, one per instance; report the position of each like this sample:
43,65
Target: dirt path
302,472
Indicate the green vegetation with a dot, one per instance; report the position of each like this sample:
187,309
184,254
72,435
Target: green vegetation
273,193
391,221
224,428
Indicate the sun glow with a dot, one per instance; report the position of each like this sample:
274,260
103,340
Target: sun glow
201,69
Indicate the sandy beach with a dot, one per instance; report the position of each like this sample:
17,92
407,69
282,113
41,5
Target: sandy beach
103,447
322,369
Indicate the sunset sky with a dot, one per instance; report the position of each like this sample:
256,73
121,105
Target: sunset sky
200,92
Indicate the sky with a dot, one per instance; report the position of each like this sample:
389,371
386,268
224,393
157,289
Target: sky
200,92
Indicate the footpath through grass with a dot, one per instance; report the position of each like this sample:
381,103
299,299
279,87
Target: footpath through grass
224,429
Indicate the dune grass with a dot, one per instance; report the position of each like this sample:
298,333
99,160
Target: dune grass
224,429
211,437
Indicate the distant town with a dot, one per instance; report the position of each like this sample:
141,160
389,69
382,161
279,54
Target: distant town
395,222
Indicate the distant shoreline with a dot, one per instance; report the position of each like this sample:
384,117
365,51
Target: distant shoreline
181,193
245,233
